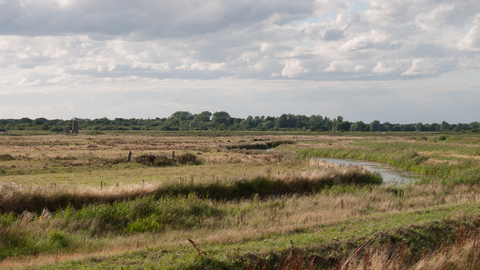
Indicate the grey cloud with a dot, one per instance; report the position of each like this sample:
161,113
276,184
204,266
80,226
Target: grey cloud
239,39
333,34
142,19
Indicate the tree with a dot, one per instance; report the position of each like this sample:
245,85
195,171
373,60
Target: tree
358,126
444,126
39,121
375,126
282,121
419,127
181,115
221,117
315,122
203,116
344,125
26,120
474,125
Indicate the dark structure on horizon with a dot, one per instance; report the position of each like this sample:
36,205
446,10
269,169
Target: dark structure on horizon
75,125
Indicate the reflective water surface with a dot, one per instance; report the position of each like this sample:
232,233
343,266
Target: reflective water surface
390,174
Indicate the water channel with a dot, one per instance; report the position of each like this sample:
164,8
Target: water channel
390,174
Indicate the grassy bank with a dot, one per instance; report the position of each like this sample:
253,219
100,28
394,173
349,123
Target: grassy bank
451,161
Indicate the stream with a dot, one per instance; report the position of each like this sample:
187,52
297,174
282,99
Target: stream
390,174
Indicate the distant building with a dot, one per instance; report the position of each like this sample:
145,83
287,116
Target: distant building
75,125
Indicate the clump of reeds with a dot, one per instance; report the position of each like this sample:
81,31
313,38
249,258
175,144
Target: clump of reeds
5,157
164,161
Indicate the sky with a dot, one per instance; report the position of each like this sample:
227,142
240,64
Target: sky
398,61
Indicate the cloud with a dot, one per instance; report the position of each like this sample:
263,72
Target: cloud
333,34
73,44
344,66
385,67
293,68
143,19
471,41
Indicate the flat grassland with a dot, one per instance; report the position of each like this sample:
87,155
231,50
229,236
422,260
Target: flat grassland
217,202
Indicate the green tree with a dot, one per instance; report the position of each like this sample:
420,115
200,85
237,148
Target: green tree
419,127
181,116
204,116
221,118
375,126
344,125
358,126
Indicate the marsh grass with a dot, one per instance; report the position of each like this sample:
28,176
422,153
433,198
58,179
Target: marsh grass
17,198
335,212
448,244
444,162
241,207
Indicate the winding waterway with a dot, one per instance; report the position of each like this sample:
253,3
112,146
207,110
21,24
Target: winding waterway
390,174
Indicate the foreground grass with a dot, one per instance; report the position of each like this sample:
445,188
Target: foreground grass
297,218
257,226
418,230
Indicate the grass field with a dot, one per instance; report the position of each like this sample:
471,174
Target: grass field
75,202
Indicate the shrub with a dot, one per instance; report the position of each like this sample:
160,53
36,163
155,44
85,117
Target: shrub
187,158
6,157
153,160
441,138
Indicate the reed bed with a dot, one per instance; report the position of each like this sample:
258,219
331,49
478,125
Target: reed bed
17,198
166,222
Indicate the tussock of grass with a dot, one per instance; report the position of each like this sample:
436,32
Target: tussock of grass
5,157
163,161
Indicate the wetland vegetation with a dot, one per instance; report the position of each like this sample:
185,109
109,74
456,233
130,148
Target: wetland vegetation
76,202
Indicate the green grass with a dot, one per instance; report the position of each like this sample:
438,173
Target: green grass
420,229
237,220
432,160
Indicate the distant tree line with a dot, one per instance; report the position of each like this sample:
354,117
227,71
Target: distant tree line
184,121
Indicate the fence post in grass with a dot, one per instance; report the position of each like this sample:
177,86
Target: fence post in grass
129,156
173,154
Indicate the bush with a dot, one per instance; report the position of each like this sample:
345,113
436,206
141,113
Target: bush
421,139
441,138
5,157
56,129
156,161
187,158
